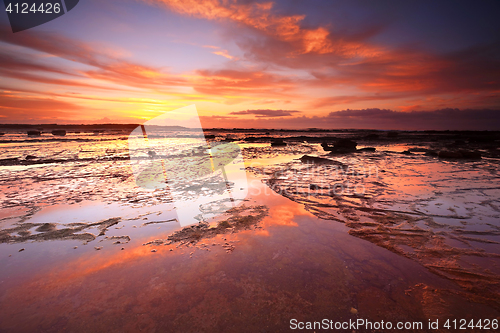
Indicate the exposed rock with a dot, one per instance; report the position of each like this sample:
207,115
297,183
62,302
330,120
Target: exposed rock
367,149
418,150
345,143
461,154
473,155
278,143
319,160
449,154
317,187
30,157
59,132
34,133
372,136
341,146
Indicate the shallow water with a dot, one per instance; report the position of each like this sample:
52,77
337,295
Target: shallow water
395,237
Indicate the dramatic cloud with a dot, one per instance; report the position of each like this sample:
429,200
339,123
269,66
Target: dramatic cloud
243,82
19,108
260,17
266,113
233,55
107,66
445,119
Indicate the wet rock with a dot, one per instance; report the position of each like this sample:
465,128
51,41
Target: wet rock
367,149
30,157
473,155
317,187
341,146
240,218
432,153
47,231
1,133
449,154
278,143
372,136
46,227
34,133
406,152
153,250
21,250
59,132
319,160
418,150
97,248
461,154
345,143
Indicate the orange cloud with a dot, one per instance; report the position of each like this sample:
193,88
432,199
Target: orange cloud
260,17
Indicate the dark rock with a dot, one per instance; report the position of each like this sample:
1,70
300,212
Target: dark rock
461,154
317,187
319,160
392,134
483,138
406,152
30,157
2,133
34,133
449,154
59,132
418,150
431,153
345,143
342,146
372,136
367,149
472,155
278,143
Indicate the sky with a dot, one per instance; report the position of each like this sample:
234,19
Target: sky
263,64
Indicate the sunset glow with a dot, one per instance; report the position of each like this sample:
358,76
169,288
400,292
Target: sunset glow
300,63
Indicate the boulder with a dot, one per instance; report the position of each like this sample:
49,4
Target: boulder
278,143
59,132
461,154
392,134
